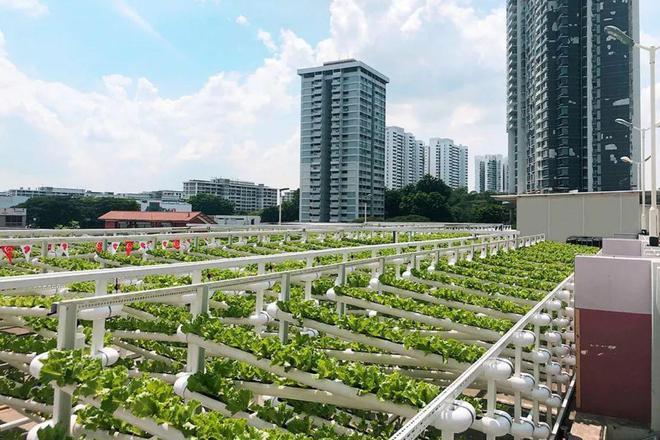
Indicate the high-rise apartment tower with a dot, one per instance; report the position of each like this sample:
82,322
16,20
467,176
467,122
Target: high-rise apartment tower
342,142
568,81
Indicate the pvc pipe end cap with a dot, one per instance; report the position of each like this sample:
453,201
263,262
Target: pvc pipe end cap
553,305
108,356
553,368
272,309
540,356
181,384
372,313
523,338
330,294
523,383
569,360
570,312
554,401
406,275
541,393
498,369
457,418
541,431
496,426
561,350
553,337
563,378
37,363
522,429
430,269
563,295
310,332
261,318
541,319
569,336
561,322
374,283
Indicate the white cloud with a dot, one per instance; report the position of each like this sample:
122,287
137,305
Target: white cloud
33,8
267,39
445,59
242,20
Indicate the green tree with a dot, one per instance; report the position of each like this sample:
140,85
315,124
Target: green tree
431,198
51,211
211,205
290,210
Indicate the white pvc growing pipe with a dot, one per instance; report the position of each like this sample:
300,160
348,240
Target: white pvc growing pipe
485,334
145,336
28,405
303,394
181,390
433,283
514,317
376,358
430,358
148,425
24,311
309,379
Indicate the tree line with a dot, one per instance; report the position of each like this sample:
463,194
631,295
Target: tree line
430,199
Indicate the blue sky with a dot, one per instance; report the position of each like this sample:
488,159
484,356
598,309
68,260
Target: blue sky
126,95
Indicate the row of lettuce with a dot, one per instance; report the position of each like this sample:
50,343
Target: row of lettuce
507,283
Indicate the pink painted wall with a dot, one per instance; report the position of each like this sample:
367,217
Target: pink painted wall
613,305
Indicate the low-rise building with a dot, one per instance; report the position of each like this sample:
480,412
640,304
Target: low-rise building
140,219
11,218
237,220
245,196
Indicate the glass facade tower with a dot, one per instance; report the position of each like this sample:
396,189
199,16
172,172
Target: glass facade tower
568,82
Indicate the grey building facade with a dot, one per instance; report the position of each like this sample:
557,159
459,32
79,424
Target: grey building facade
568,82
342,142
404,158
447,161
246,196
490,173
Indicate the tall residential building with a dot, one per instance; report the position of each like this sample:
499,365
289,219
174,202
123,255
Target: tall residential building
404,158
568,82
490,173
342,142
448,162
246,196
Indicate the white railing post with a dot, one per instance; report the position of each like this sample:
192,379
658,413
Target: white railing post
200,305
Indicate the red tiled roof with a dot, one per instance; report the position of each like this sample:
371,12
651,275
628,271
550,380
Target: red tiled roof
153,216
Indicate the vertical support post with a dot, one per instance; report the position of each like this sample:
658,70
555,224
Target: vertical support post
66,338
341,307
195,360
517,401
285,295
491,401
308,284
537,374
98,325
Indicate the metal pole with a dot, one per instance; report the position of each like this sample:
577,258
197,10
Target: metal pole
653,212
643,187
279,222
